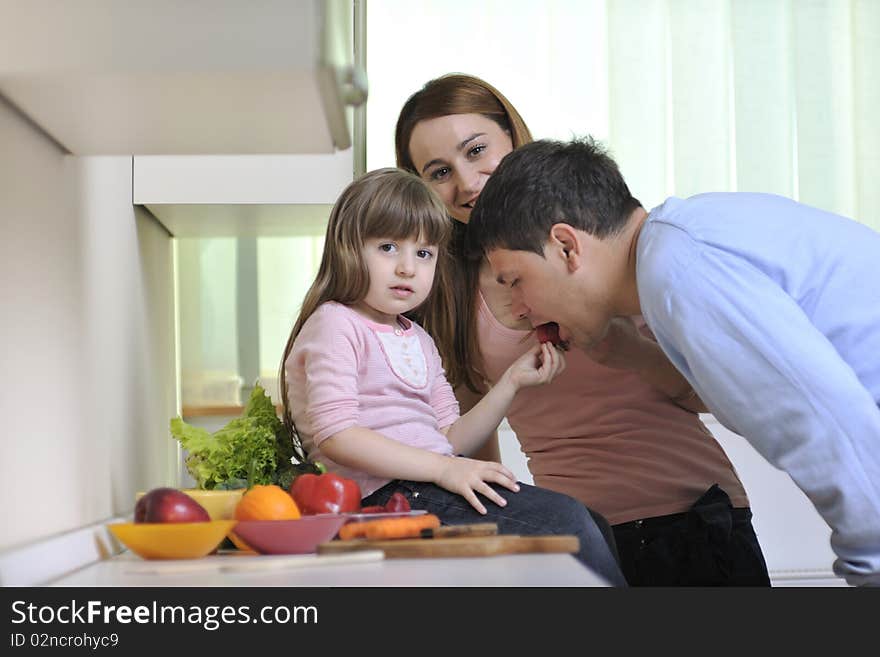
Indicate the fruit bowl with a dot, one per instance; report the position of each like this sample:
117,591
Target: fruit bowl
172,540
300,536
220,504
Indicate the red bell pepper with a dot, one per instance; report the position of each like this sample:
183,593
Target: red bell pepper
325,493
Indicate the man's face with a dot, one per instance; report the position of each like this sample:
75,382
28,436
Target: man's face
548,289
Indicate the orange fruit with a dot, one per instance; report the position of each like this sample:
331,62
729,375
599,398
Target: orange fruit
269,502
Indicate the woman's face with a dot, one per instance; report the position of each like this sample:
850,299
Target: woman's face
456,154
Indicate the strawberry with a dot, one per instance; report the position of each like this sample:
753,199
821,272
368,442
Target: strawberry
396,503
549,332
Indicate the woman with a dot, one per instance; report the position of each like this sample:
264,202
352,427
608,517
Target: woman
619,428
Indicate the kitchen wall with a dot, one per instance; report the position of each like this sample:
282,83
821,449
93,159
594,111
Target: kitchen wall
88,338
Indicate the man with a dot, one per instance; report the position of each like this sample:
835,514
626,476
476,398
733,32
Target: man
770,309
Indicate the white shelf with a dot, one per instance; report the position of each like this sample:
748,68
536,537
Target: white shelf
242,195
166,77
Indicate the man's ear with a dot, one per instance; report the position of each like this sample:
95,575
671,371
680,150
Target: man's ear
565,242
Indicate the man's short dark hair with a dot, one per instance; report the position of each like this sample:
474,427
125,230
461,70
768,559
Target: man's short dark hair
544,183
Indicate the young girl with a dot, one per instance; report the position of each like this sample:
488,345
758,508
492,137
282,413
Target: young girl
366,391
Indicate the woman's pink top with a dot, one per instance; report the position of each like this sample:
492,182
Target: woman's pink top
606,437
345,370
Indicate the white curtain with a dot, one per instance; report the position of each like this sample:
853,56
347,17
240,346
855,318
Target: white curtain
690,95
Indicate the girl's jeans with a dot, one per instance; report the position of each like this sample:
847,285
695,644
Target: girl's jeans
531,511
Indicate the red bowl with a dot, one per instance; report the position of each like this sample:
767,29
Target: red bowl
300,536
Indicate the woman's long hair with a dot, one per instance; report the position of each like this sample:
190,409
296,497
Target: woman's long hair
383,203
450,315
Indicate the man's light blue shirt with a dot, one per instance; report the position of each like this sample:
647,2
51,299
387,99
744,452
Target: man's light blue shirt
771,309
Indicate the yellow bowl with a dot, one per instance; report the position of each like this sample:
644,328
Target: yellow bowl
220,504
172,540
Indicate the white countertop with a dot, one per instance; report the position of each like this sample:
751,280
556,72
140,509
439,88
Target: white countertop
357,569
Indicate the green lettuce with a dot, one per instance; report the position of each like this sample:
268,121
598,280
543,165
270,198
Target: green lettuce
255,448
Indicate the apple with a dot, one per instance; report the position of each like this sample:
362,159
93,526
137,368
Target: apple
169,505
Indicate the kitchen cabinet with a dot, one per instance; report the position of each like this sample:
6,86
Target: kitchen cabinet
166,77
240,118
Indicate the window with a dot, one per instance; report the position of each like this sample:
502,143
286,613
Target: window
752,95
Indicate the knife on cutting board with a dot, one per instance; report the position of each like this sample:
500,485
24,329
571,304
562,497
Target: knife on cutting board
458,546
473,529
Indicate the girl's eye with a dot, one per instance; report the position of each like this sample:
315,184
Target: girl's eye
387,247
476,150
425,253
439,173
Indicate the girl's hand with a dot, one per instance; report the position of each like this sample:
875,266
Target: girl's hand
467,477
541,364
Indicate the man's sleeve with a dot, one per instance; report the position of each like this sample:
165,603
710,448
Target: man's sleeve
768,374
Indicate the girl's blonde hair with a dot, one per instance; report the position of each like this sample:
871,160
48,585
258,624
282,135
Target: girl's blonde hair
450,316
388,202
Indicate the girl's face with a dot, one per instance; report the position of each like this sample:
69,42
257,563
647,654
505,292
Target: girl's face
456,154
401,276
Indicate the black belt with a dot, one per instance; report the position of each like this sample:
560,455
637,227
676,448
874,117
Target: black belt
713,501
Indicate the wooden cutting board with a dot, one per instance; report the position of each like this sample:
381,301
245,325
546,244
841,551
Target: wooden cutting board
463,546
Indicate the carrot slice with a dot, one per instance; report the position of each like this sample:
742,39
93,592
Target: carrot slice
353,530
387,528
409,527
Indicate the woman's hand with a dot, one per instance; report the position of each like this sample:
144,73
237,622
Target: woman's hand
540,364
467,477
